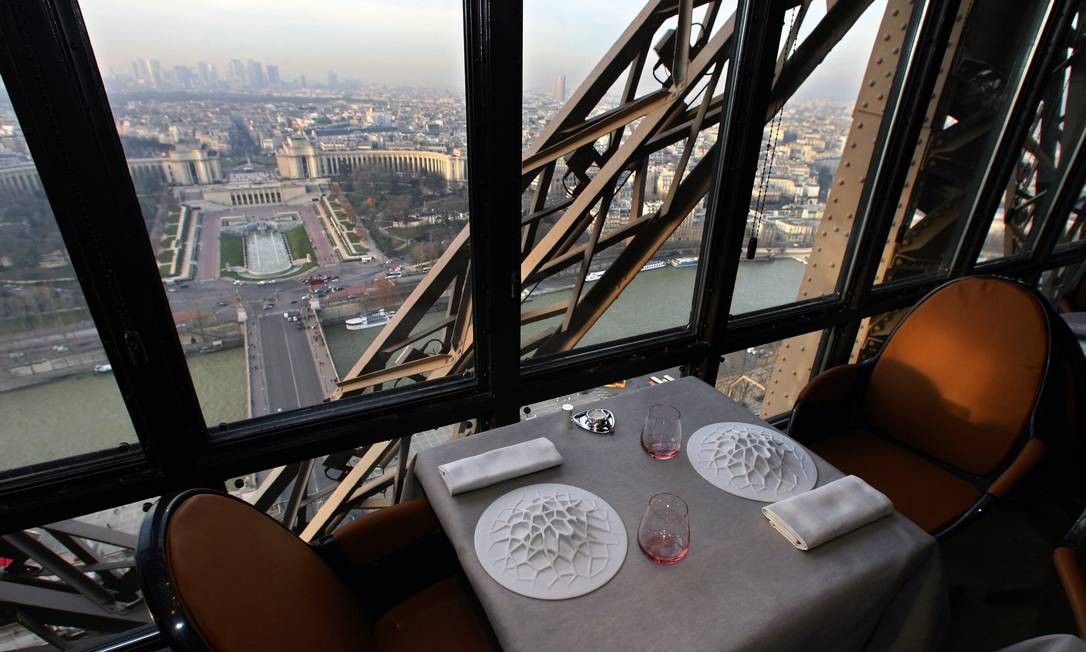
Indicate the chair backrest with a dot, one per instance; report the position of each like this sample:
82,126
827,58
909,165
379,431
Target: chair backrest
219,574
960,377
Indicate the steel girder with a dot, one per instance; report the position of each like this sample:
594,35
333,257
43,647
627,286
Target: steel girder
965,116
587,155
59,579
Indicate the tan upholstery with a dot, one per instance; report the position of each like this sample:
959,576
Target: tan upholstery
1069,570
958,380
835,384
249,584
921,491
380,533
1028,458
442,617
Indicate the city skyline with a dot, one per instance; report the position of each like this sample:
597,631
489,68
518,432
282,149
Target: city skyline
400,44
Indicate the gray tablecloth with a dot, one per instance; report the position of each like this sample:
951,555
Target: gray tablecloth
742,587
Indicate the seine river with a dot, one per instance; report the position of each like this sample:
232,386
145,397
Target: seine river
85,413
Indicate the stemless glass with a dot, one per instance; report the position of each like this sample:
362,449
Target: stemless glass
664,533
662,435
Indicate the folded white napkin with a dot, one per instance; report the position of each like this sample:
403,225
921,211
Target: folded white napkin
814,517
499,465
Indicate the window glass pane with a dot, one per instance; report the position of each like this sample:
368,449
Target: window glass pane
57,395
617,162
107,600
874,331
1042,162
766,378
1074,229
1065,287
313,497
963,124
815,151
298,184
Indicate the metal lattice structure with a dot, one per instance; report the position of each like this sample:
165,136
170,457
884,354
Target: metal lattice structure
571,173
658,89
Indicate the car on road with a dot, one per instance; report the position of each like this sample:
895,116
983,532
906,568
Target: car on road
269,306
59,348
294,302
237,282
222,303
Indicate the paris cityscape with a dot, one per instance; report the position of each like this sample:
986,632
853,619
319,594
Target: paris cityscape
368,184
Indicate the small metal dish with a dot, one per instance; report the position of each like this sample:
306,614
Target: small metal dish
597,420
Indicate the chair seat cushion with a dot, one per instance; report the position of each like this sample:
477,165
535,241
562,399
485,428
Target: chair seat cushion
922,492
444,616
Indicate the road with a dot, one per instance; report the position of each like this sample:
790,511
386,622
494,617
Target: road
284,373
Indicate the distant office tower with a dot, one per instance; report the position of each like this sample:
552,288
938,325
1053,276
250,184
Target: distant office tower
256,75
301,81
184,76
560,88
273,74
156,73
236,71
206,72
137,69
333,78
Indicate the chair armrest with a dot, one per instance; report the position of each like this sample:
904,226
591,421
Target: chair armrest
1074,586
377,535
828,402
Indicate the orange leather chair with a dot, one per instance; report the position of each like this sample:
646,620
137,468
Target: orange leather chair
959,405
1070,564
220,575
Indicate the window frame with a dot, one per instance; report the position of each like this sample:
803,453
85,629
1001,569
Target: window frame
49,70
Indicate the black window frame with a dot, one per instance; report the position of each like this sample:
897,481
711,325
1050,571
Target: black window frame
49,70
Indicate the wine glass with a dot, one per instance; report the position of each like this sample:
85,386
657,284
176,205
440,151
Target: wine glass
662,435
664,533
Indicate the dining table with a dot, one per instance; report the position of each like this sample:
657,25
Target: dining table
742,586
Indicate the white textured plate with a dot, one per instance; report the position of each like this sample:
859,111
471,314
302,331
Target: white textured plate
751,461
550,541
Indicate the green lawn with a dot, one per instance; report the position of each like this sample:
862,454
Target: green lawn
165,256
299,243
231,250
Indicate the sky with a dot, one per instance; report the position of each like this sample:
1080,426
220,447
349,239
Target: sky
413,42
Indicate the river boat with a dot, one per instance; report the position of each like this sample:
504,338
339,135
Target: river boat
685,261
656,264
372,320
